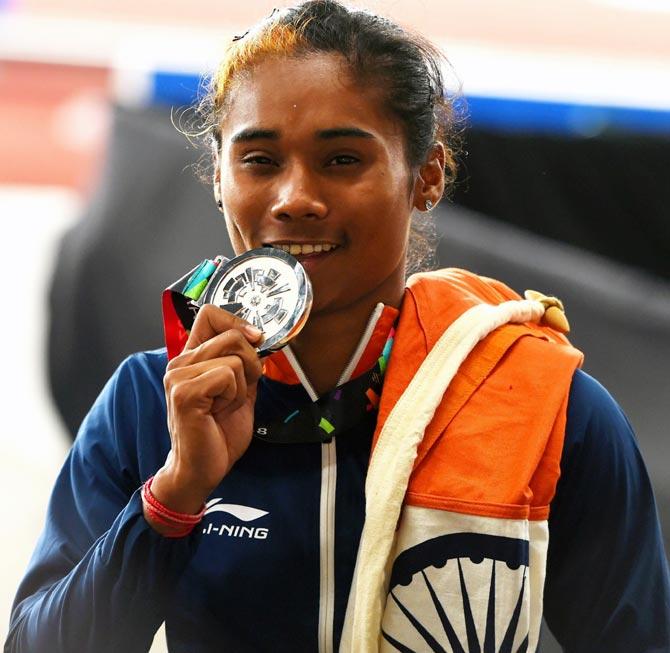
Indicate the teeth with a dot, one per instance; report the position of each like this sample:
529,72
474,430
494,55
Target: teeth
294,249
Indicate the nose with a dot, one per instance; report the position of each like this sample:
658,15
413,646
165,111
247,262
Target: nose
298,195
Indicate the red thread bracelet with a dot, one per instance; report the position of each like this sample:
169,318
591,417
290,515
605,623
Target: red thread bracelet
179,523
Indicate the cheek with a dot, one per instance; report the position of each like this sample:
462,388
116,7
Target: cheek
387,217
235,236
240,209
391,237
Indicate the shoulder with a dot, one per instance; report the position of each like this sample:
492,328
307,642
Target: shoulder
149,365
436,300
140,374
456,283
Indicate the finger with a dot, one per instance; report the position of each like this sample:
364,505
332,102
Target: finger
234,394
212,353
228,402
197,387
250,367
212,320
231,342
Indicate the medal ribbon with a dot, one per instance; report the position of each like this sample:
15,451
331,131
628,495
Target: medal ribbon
180,306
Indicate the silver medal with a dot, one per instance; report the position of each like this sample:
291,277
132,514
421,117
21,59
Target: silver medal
268,288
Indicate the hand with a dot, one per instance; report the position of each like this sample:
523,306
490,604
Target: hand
210,390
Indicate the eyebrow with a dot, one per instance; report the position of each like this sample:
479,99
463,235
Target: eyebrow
253,134
343,132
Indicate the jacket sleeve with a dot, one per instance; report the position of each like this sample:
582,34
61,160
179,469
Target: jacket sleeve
100,577
607,587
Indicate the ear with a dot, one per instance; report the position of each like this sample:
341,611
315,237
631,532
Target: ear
217,183
429,183
217,187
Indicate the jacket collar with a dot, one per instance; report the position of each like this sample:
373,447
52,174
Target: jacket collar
282,366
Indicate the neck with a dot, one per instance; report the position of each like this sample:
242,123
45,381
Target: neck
329,339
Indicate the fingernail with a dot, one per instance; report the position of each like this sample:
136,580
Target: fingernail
253,331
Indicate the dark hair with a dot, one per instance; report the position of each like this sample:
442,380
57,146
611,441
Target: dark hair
406,69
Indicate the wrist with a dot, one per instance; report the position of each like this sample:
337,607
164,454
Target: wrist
167,521
177,493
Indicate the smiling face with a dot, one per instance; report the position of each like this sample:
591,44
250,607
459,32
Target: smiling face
310,162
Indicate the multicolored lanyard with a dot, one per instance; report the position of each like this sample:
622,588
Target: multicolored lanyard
332,414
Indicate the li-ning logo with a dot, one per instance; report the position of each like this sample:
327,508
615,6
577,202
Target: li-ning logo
243,513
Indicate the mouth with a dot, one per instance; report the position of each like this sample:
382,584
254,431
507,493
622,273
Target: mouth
304,249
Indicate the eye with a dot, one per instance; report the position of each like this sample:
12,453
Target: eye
258,159
343,160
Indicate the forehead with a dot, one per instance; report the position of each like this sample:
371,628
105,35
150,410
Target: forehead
313,92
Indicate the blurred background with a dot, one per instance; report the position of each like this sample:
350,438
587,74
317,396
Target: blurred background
564,188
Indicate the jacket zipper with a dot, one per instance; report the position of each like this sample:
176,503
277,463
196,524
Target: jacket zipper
327,497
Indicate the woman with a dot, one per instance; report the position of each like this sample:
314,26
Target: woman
328,129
